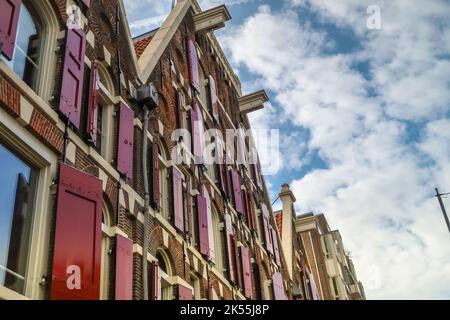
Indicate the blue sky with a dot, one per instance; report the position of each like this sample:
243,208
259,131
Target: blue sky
364,120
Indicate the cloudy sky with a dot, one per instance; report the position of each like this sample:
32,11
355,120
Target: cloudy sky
364,120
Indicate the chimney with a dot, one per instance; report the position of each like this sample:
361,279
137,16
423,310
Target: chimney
287,228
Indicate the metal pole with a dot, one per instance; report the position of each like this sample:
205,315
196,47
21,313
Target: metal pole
441,203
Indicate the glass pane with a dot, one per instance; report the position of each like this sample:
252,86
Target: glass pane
16,199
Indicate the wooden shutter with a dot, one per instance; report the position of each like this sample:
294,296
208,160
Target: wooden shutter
93,105
231,249
155,282
178,211
73,76
194,76
246,273
213,98
124,268
202,224
197,133
155,176
9,20
125,141
237,194
275,246
184,293
266,225
278,287
77,245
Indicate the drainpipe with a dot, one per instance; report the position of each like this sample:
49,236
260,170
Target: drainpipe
146,202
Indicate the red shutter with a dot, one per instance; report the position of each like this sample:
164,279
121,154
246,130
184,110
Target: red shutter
9,20
278,287
77,246
213,97
246,273
155,176
125,142
275,246
194,76
237,194
211,252
124,268
184,293
231,249
93,105
203,224
178,211
155,282
197,133
266,225
73,74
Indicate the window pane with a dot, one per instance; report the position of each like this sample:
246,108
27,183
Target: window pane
16,199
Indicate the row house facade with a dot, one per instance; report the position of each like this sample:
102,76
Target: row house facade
331,267
95,202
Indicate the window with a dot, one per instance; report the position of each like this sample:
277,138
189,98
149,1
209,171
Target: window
218,240
335,287
25,61
105,134
196,285
17,196
163,184
106,242
165,272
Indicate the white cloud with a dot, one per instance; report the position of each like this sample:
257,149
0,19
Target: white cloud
378,184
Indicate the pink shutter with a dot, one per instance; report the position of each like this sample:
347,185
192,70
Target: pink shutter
155,282
278,287
211,252
197,133
155,176
125,142
78,233
213,98
93,105
231,248
246,273
203,224
73,75
266,225
212,294
275,246
237,194
194,76
178,211
9,19
184,293
87,3
124,268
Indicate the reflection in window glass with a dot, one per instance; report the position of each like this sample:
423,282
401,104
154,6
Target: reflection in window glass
25,61
17,192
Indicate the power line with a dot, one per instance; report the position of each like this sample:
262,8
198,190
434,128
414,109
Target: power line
441,203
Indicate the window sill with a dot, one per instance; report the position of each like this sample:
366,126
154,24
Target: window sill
8,294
